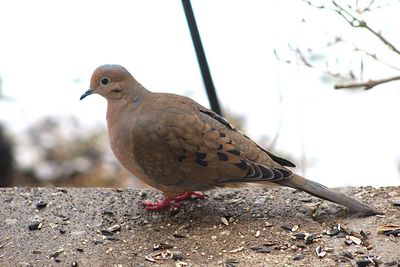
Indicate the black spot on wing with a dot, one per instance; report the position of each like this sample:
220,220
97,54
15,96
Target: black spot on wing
222,156
199,159
202,162
220,147
234,152
200,155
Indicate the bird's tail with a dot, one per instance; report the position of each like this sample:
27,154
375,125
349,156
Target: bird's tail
318,190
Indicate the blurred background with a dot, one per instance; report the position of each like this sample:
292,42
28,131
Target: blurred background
317,82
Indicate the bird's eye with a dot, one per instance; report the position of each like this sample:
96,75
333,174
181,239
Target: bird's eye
104,80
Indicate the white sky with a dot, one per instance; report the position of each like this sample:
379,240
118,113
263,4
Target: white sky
49,49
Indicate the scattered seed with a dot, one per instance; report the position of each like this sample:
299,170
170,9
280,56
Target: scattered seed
176,256
35,225
258,233
231,262
298,257
348,242
376,260
392,238
310,238
287,227
268,243
363,234
301,245
355,240
41,204
395,201
295,227
392,263
236,250
320,252
328,249
149,258
108,212
260,249
363,262
112,238
106,232
114,228
268,224
162,245
97,242
74,264
388,229
299,236
224,221
348,254
178,235
332,232
57,253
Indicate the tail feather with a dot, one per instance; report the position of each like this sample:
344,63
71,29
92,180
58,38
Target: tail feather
320,191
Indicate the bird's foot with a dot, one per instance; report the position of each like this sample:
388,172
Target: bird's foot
170,201
159,205
188,195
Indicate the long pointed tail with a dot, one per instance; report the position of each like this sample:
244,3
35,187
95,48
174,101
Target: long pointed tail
318,190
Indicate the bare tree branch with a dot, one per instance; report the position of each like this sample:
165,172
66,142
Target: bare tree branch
359,23
375,57
367,84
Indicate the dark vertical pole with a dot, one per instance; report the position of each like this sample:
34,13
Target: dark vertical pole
201,57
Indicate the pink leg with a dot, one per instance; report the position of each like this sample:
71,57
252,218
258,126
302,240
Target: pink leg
168,201
158,205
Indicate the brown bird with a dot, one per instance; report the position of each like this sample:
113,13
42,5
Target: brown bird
176,145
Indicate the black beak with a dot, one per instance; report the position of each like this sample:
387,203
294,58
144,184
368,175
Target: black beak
88,92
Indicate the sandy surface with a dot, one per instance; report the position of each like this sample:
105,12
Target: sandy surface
275,227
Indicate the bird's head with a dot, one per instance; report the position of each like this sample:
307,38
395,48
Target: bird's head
111,82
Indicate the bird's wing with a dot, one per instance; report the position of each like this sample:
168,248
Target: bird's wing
209,151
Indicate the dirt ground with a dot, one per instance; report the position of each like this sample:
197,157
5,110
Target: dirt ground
249,227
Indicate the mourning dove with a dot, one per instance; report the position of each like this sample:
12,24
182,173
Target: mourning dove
176,145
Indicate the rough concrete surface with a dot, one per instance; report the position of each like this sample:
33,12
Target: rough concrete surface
248,227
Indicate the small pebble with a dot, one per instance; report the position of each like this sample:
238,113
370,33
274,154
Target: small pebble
41,204
35,225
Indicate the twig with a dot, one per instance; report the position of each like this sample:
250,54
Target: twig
359,23
375,57
367,84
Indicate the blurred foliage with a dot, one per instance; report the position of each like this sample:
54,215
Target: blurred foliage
6,159
61,152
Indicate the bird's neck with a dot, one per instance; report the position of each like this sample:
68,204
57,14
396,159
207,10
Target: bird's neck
116,108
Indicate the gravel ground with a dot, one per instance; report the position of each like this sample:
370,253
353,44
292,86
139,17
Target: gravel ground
259,227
